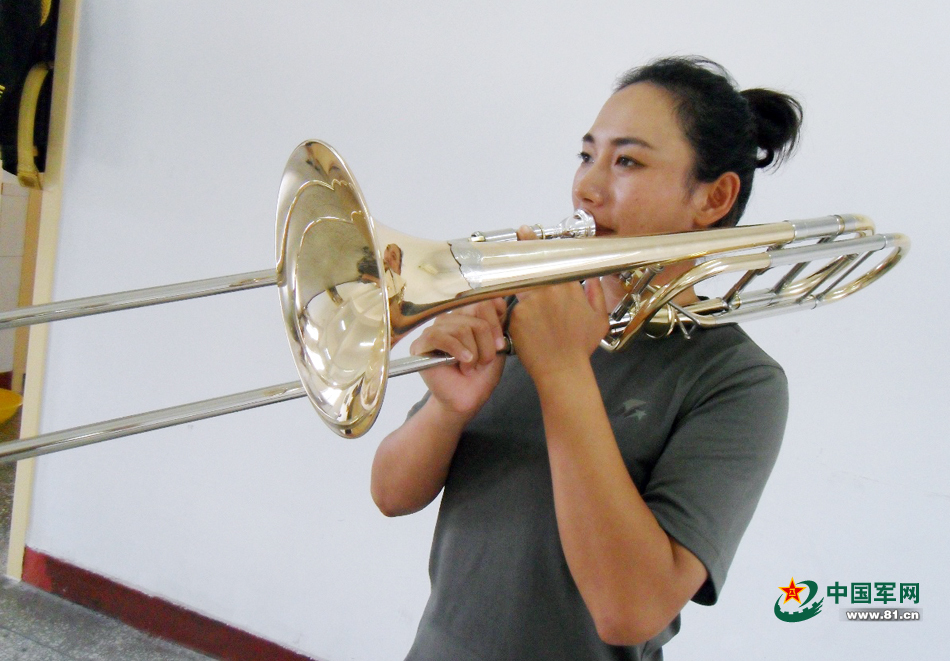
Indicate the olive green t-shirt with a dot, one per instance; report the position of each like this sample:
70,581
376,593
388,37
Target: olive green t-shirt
698,421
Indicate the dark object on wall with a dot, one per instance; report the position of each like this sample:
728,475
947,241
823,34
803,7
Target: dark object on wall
27,47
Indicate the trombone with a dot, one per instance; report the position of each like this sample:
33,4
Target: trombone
350,287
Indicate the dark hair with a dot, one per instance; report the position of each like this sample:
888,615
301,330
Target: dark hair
729,130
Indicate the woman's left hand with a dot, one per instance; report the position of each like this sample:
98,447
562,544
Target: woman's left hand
553,327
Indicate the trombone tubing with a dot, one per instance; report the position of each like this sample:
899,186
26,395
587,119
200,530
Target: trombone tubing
136,424
136,298
97,432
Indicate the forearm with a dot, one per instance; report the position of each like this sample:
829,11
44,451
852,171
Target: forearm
632,576
411,463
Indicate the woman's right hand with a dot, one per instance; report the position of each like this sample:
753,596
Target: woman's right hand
473,335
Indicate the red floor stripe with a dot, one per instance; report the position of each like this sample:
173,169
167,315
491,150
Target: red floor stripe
150,614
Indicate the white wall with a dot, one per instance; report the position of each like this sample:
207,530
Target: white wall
456,119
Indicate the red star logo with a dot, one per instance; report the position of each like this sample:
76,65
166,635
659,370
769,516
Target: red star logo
791,592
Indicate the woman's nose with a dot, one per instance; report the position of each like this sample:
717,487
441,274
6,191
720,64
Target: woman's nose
589,185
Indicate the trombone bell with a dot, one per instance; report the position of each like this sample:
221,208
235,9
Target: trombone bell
333,300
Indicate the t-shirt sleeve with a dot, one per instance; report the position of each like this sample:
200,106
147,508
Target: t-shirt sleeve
418,405
708,480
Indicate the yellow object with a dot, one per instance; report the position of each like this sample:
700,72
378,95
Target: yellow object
10,403
26,170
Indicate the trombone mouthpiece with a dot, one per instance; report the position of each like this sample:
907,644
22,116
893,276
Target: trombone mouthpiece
578,225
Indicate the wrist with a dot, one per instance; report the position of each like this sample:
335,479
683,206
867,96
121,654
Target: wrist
572,408
558,369
446,416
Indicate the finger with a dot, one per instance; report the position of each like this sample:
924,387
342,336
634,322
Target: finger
595,295
490,310
481,336
525,233
486,318
476,309
495,313
501,307
454,341
488,335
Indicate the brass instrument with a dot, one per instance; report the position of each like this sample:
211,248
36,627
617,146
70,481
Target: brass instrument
350,287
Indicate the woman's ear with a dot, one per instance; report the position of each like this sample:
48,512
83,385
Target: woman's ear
716,199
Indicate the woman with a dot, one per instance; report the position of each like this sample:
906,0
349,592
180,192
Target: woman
588,497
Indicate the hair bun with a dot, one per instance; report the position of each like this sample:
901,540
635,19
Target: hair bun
777,119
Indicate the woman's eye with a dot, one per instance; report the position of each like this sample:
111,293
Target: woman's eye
584,156
627,162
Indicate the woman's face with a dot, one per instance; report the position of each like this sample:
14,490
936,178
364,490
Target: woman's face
636,167
392,258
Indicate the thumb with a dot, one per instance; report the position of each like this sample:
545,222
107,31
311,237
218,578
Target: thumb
525,233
